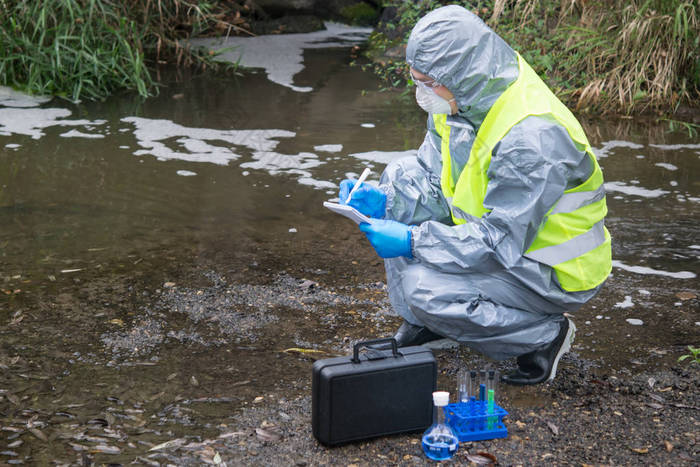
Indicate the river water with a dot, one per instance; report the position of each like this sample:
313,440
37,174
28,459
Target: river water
166,262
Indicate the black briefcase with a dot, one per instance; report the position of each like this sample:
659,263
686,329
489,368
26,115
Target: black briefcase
378,392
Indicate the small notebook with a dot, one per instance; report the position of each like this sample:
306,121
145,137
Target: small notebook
347,211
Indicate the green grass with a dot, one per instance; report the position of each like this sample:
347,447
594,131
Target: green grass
89,49
599,56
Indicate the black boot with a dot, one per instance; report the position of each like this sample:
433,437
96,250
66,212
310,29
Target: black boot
409,334
541,365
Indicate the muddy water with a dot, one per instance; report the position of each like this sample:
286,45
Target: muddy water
166,263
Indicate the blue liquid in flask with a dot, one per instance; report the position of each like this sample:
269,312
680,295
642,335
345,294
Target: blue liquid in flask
440,446
440,441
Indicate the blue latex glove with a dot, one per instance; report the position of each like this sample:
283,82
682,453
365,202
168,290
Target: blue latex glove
367,199
389,238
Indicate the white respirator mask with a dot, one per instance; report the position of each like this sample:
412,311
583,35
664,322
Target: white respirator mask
431,102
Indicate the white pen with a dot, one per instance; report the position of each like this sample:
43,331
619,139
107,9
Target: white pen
362,178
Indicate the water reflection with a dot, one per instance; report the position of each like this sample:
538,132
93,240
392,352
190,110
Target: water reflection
103,204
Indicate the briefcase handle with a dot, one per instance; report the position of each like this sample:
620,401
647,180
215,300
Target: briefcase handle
356,348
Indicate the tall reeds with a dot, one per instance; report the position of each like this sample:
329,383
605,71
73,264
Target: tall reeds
620,56
600,56
91,48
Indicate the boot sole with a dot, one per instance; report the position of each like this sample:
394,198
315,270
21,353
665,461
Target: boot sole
565,347
441,344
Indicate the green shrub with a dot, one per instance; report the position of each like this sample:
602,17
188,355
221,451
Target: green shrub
599,56
360,13
90,48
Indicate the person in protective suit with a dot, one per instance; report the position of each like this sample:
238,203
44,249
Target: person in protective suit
495,228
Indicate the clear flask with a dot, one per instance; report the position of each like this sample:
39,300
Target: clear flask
440,441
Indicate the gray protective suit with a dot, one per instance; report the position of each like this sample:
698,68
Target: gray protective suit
471,282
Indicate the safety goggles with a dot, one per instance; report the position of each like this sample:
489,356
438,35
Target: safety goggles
426,83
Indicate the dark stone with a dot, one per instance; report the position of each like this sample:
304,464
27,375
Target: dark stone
287,25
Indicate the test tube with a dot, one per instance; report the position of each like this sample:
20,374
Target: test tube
491,420
492,382
464,386
473,384
482,385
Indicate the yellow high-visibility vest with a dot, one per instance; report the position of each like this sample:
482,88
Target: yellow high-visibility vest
572,238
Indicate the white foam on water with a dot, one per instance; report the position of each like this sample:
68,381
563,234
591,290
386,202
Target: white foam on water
608,146
329,148
80,134
320,184
646,270
644,292
694,247
276,163
289,164
675,147
293,230
197,144
599,317
281,55
186,173
622,187
625,304
666,166
32,121
673,183
634,321
383,157
367,125
13,145
11,98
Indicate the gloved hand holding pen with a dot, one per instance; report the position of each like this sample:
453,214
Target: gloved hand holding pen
367,199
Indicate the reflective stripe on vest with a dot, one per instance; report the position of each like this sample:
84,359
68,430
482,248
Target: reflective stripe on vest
572,237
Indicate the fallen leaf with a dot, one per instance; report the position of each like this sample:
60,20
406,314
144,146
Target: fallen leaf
106,449
553,427
268,434
654,405
177,442
36,432
657,398
669,446
665,389
640,450
217,459
520,425
117,321
231,434
488,456
258,400
167,285
479,460
619,414
98,421
303,351
193,381
686,295
651,382
683,406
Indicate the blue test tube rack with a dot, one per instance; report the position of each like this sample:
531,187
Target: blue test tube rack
470,420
